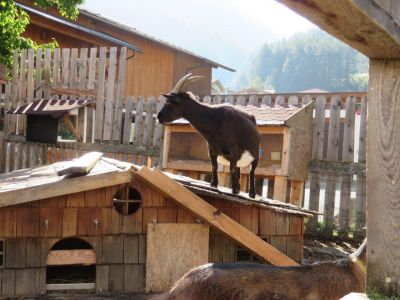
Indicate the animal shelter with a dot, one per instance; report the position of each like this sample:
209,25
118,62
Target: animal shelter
102,225
285,149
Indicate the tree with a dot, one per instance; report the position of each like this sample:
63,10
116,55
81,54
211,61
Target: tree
14,20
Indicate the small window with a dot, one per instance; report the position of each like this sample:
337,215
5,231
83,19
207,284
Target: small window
127,200
2,253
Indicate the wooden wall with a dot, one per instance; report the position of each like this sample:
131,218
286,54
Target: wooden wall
119,241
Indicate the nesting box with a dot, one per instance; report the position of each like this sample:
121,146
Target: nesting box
285,148
42,122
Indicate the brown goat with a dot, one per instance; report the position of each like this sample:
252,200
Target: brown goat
231,134
324,280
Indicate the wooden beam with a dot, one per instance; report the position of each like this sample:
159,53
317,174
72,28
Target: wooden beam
280,188
71,127
79,166
71,257
212,216
70,286
363,24
383,177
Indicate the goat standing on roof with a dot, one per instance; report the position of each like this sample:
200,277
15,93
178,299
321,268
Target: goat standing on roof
231,134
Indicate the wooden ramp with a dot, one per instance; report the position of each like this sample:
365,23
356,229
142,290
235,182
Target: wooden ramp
212,216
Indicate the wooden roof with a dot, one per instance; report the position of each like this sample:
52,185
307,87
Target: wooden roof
28,185
265,115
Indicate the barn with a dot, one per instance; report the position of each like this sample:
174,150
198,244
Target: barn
153,66
102,225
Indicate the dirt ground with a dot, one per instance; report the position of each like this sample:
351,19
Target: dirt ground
314,250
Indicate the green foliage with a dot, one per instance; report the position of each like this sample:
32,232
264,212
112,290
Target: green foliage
13,22
305,61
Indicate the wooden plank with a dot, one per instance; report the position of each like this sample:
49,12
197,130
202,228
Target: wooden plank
131,249
8,283
116,280
70,221
347,155
319,128
127,121
56,69
267,222
383,176
30,83
92,68
50,222
280,188
190,244
120,84
17,257
14,92
249,218
79,166
360,184
211,215
47,74
108,114
296,192
70,286
148,122
20,126
166,145
28,222
102,278
82,68
113,249
134,279
99,114
137,138
266,100
71,257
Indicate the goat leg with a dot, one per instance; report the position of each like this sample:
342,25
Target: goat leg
234,177
252,189
214,165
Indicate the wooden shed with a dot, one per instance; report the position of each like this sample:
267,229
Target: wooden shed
153,66
121,228
285,149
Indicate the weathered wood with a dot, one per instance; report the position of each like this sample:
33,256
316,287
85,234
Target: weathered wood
348,156
71,257
337,167
116,279
98,135
211,215
113,250
70,286
383,176
190,242
342,19
108,114
134,278
79,166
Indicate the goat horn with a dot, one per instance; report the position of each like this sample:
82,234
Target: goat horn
184,82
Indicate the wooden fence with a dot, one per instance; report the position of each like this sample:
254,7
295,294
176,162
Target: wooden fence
126,128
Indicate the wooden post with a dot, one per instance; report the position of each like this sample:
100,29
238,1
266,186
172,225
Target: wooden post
280,188
383,177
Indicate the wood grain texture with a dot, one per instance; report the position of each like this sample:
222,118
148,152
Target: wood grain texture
71,257
383,176
182,247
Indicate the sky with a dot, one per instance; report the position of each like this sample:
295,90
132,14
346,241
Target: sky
226,31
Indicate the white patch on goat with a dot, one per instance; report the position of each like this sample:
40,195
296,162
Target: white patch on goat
245,160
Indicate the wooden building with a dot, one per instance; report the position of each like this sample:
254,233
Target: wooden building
153,66
121,228
285,149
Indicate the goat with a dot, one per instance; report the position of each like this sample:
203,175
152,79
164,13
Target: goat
231,134
323,280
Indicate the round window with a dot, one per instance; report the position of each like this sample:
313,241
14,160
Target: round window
127,200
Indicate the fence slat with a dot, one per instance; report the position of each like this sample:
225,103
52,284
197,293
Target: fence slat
117,120
56,68
148,122
138,121
253,100
98,135
121,75
108,114
348,156
127,121
319,128
92,68
65,67
30,82
360,185
266,100
47,74
83,68
241,100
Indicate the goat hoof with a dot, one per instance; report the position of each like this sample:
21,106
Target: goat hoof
214,184
235,191
252,195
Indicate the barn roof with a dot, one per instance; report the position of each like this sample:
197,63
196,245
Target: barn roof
277,115
76,26
42,182
53,108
